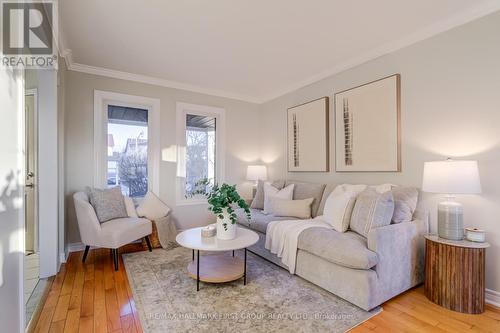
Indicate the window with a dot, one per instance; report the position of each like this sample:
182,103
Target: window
128,150
200,144
200,154
126,143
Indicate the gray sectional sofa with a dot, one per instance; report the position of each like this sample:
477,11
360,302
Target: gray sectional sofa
364,271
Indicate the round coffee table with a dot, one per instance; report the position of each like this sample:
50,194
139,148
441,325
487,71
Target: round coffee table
217,268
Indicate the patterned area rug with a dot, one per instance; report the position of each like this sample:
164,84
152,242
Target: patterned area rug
272,301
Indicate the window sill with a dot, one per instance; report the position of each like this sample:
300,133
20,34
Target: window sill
191,202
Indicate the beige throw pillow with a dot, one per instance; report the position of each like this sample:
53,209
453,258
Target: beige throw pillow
372,210
272,192
293,208
108,204
405,203
338,208
130,206
258,200
152,207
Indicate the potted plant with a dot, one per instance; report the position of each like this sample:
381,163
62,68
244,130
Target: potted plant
221,200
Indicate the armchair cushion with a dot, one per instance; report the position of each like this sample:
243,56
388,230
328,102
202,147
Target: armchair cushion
118,232
108,203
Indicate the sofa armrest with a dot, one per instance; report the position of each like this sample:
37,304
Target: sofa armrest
400,250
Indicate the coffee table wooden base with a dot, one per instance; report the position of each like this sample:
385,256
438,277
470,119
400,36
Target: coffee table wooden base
218,268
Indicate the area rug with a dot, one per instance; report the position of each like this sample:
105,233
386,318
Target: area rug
272,301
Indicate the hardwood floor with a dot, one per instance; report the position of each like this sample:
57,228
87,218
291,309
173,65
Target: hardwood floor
92,297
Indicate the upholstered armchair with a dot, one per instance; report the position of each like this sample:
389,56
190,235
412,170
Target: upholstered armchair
111,234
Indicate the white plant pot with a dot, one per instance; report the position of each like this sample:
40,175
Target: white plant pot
229,232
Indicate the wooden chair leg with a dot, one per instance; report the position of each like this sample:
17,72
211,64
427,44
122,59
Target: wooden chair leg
85,253
115,258
149,243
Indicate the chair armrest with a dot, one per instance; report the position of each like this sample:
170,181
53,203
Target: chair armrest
88,223
400,250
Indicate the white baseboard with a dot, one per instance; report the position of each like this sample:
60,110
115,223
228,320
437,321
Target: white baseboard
493,297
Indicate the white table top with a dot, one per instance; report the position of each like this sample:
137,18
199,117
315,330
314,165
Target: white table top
192,239
459,243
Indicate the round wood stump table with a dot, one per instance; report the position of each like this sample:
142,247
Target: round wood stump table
454,274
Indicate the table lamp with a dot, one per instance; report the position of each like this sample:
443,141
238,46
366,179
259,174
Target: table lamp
256,173
451,177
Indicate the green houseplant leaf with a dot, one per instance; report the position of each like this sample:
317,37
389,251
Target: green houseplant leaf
223,197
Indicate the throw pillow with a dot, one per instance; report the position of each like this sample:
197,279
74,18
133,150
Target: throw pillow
130,206
291,208
258,200
152,207
338,208
372,210
108,204
405,203
272,192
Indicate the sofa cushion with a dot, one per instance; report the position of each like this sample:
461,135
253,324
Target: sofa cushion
306,191
258,200
326,193
259,220
346,249
372,210
300,209
271,192
405,203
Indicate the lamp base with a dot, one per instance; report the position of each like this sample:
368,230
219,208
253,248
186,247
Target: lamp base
450,220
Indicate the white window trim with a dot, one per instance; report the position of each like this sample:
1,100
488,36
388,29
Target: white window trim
101,101
203,110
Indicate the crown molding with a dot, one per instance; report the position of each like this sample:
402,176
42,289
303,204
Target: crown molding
155,81
454,21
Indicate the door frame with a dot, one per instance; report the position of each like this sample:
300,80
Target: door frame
34,92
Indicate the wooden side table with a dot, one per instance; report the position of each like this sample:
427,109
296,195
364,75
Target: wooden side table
454,274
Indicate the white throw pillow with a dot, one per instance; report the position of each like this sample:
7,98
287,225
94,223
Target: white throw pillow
338,208
293,208
152,207
272,192
130,206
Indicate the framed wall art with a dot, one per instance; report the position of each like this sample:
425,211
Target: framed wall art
308,136
368,127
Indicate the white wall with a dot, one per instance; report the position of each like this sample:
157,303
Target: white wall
242,145
11,203
450,90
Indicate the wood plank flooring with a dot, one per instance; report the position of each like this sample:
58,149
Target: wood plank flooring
92,297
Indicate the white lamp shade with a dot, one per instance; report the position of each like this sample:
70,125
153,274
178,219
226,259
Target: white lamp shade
451,177
256,172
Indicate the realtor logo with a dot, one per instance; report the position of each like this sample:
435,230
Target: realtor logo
28,30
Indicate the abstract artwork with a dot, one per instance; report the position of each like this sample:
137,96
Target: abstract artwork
367,127
308,136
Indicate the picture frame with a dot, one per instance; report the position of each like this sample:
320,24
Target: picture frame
368,127
308,137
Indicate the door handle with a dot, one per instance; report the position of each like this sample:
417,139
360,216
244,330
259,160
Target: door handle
30,185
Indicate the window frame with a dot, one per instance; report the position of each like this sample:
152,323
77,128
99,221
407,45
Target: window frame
182,109
101,101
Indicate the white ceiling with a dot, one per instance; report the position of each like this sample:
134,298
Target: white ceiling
252,50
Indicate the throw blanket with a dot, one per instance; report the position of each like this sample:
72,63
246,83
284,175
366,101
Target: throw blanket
282,238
